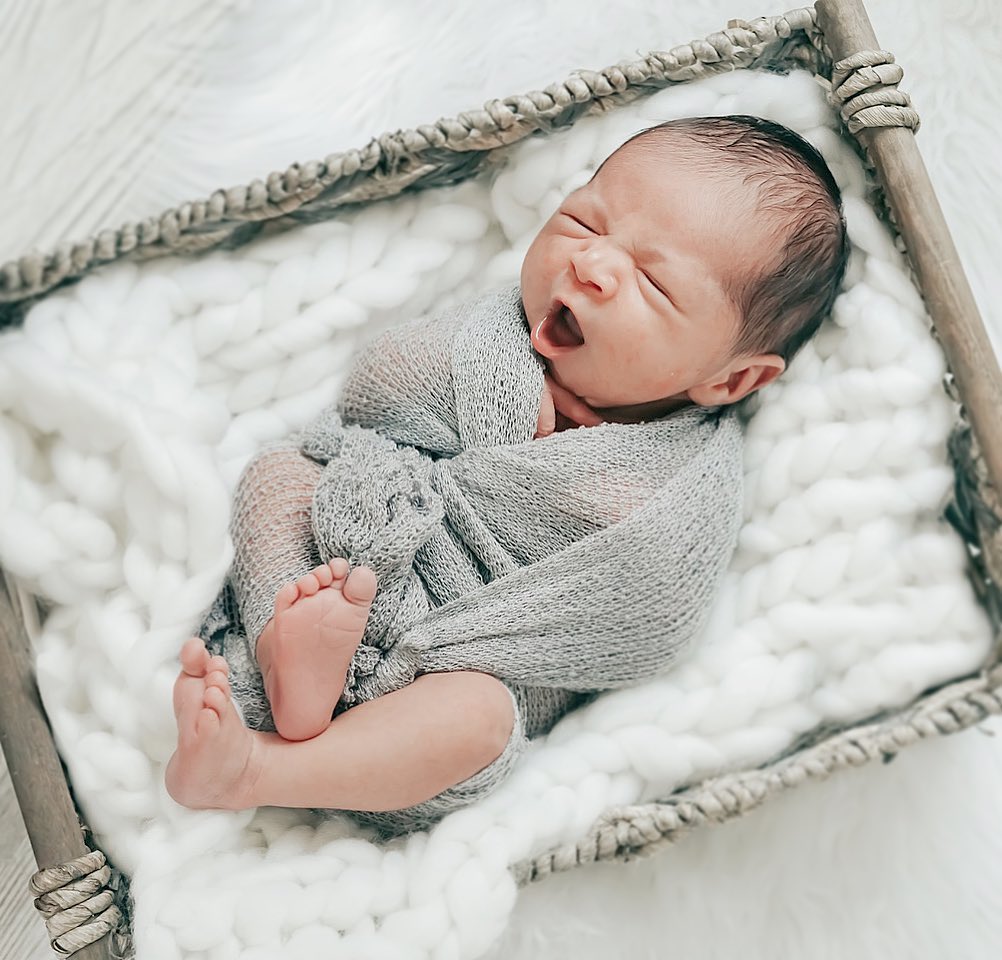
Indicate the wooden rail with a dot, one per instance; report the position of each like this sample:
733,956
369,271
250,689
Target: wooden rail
36,771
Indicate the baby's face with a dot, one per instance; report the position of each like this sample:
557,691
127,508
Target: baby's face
624,286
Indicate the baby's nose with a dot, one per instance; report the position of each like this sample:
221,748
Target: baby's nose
597,266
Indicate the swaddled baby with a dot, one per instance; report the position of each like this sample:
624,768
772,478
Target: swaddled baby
515,503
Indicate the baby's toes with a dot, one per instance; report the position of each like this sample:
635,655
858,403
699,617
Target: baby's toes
215,700
208,722
340,569
187,697
360,587
219,681
286,597
324,575
217,664
308,585
194,657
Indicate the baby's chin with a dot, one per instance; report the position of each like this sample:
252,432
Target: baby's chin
585,388
558,370
613,402
620,405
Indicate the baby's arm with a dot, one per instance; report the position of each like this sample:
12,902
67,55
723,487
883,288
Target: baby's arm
612,608
610,623
400,384
464,378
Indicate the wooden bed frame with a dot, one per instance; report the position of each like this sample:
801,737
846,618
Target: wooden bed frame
37,774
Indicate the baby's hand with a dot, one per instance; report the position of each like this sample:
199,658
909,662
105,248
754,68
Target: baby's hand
547,421
559,410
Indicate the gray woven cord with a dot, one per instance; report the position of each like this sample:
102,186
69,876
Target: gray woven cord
444,152
75,900
639,830
864,88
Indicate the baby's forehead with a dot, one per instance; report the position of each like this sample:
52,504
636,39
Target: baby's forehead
694,196
696,180
779,177
659,154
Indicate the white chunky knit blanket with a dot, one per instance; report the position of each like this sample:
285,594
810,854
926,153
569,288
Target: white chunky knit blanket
129,404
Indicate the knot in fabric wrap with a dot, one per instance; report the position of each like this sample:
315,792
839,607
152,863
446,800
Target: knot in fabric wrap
864,88
375,505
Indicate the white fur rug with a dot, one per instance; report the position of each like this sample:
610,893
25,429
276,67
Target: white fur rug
130,404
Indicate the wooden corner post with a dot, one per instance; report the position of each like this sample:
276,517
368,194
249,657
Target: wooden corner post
919,218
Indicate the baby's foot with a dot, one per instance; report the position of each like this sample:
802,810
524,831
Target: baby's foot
306,647
211,766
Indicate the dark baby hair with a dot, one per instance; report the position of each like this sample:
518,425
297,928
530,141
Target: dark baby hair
783,307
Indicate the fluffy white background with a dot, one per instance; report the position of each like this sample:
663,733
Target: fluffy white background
898,861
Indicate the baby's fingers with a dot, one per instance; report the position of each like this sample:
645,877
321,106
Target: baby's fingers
547,420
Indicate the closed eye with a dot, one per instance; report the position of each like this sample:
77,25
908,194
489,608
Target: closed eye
580,223
657,286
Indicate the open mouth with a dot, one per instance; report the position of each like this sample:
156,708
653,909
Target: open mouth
558,329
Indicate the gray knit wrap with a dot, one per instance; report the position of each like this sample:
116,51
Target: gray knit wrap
578,562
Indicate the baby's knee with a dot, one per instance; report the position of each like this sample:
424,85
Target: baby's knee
260,471
486,710
273,467
496,731
497,713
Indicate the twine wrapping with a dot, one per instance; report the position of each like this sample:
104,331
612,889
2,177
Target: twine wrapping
77,905
864,89
432,154
641,829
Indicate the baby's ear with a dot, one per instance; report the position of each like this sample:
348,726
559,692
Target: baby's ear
741,377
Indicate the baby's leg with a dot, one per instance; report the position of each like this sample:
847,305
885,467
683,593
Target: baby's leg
389,753
305,649
303,619
272,531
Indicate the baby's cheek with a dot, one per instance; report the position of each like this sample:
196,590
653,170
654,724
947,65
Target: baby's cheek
644,366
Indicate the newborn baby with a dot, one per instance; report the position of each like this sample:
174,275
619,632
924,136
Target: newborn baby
516,503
